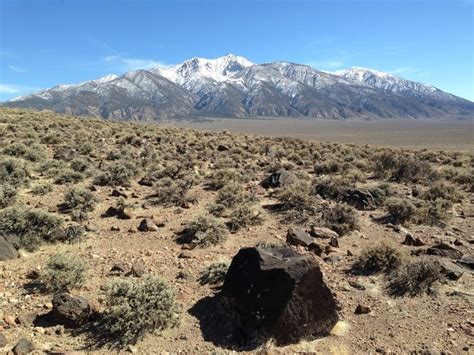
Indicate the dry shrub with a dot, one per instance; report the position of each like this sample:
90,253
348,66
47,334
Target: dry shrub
63,272
137,307
214,274
382,257
415,277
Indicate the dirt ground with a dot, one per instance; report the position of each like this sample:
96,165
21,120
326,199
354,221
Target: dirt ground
424,324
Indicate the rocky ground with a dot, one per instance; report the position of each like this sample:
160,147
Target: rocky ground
425,213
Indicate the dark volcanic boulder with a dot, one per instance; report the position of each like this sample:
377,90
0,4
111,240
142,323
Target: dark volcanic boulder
360,198
280,294
446,250
297,236
71,311
277,179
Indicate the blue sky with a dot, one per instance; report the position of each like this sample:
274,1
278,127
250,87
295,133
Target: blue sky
44,43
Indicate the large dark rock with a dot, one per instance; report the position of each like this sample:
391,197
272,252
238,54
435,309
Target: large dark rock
280,294
297,236
277,179
450,270
467,261
323,233
446,250
360,198
7,250
147,225
71,311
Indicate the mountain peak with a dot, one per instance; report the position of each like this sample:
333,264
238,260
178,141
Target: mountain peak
214,70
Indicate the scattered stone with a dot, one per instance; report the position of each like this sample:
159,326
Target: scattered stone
91,227
24,346
458,243
361,309
39,330
71,311
132,349
3,340
361,199
7,250
316,248
451,270
467,260
349,253
277,179
446,250
182,275
334,242
9,320
280,293
323,233
147,181
115,229
356,285
117,193
297,236
332,259
147,225
185,255
222,148
119,268
412,241
138,269
26,320
329,249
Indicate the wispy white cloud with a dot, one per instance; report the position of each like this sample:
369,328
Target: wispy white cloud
17,69
328,64
405,70
9,89
120,63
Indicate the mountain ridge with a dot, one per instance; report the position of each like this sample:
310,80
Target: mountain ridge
233,86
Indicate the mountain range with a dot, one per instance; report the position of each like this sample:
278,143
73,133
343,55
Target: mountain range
232,86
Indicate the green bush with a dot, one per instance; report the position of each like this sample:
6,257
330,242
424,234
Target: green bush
62,273
244,215
205,231
138,307
79,199
13,172
382,257
116,174
67,176
415,277
340,218
32,226
7,195
433,212
42,189
172,192
402,167
443,191
214,274
401,210
295,198
222,177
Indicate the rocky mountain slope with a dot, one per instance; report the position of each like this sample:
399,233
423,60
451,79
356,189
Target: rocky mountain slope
235,87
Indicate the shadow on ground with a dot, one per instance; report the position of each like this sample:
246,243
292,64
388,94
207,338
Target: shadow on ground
222,327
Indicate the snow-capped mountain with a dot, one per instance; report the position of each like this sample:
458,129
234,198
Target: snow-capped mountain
234,86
